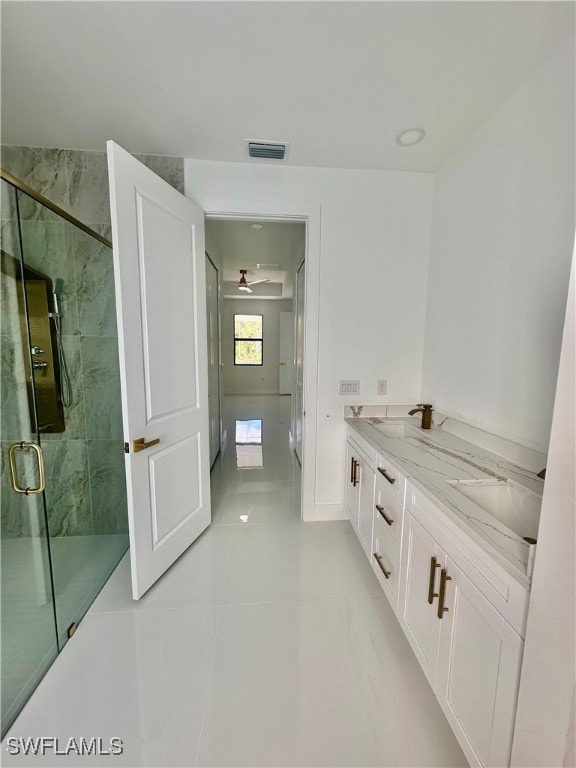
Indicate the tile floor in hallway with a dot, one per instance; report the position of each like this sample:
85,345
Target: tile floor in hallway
269,643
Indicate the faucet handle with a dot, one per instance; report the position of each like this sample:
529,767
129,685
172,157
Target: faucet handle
426,406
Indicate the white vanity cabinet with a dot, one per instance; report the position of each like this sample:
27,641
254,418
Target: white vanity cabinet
452,610
360,491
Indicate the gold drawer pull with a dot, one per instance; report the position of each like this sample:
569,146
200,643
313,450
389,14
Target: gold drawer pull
139,444
379,561
27,447
443,579
384,515
431,593
382,471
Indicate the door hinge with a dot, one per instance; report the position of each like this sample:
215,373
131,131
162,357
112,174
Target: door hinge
126,447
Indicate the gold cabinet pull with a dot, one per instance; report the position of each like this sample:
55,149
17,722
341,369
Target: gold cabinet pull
378,559
443,579
352,469
382,471
140,445
431,593
384,515
355,480
26,447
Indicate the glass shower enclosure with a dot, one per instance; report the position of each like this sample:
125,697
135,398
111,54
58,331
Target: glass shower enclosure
63,512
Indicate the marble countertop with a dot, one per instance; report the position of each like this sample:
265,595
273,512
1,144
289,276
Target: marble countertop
431,458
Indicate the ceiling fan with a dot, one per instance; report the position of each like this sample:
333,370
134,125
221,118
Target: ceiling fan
244,285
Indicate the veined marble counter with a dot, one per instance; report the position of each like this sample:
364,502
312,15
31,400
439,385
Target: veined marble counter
433,457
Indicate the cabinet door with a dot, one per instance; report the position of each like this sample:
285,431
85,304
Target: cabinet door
422,560
366,506
478,671
352,485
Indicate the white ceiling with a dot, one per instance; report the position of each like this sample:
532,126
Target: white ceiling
338,80
242,247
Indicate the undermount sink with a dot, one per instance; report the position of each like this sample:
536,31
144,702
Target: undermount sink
389,429
516,508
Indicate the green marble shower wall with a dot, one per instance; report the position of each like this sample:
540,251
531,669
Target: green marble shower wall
86,492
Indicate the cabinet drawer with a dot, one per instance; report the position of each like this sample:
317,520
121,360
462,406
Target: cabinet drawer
388,473
386,512
384,558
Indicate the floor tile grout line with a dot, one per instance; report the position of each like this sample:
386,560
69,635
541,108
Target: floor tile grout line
207,692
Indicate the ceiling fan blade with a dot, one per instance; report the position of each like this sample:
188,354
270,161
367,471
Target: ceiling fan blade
256,282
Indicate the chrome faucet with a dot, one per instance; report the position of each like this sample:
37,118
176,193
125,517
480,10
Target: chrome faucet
426,410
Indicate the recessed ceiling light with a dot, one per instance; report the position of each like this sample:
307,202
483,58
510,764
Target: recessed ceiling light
256,226
410,137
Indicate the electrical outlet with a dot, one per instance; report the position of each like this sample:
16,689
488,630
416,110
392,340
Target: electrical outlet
349,387
381,387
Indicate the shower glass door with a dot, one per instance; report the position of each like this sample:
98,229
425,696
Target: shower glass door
61,427
29,631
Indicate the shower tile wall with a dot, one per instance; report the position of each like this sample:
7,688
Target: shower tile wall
84,464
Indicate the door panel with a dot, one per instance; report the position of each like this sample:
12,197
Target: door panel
286,348
159,266
478,669
298,405
418,616
213,311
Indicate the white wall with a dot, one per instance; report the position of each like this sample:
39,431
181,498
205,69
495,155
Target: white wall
368,239
546,704
252,379
502,234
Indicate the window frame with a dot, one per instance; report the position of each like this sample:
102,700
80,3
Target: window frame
253,338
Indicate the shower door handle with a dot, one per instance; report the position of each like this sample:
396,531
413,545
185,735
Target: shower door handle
26,447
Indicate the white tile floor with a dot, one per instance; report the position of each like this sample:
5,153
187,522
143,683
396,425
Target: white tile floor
269,643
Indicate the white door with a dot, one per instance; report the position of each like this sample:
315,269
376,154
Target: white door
159,266
298,403
213,319
286,354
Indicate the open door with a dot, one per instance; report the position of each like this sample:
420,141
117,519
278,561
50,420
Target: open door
158,240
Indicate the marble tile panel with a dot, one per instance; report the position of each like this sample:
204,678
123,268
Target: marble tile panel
95,281
7,202
47,247
88,187
74,414
108,486
42,169
68,487
171,169
101,388
15,422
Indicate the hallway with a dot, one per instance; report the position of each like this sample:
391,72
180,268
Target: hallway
269,642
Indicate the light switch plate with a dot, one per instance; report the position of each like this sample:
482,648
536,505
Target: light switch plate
381,387
349,387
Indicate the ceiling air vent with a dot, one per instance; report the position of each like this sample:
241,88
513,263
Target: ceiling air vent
272,150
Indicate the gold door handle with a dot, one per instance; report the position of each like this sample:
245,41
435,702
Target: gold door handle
27,447
443,579
140,445
282,363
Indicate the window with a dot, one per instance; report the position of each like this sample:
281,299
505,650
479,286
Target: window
247,339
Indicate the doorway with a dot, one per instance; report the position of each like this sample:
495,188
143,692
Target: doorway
257,263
